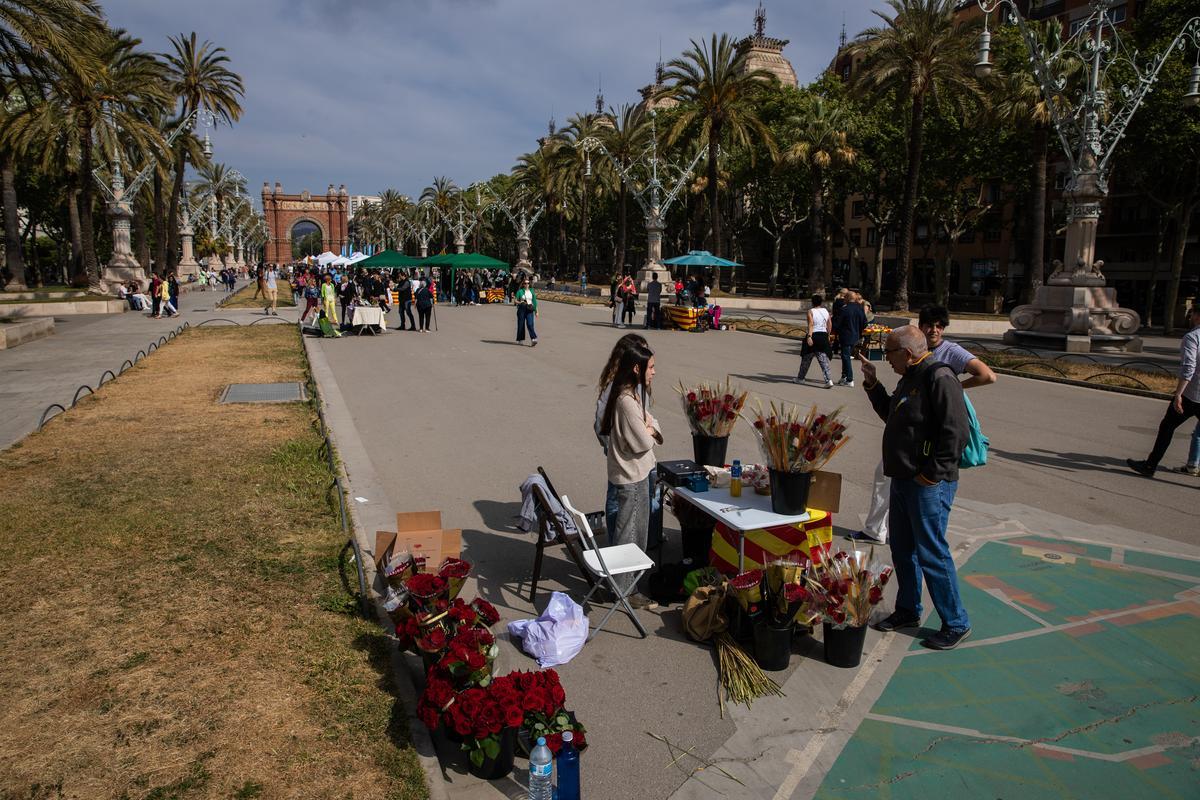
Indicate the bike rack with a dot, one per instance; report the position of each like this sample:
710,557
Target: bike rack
75,399
106,372
1121,375
42,421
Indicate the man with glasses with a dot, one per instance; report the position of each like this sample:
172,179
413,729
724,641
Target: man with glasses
932,321
925,431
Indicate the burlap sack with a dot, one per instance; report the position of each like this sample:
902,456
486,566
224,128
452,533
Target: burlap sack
704,613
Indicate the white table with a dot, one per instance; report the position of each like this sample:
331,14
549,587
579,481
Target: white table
749,512
366,316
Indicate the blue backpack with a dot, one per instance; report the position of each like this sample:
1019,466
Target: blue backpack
975,453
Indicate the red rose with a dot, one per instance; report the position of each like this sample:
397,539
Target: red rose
691,396
475,660
758,423
550,677
454,568
526,681
424,585
428,715
433,641
554,742
579,739
514,716
486,610
875,595
536,699
558,696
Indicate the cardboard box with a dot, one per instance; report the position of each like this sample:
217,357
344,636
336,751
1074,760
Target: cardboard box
825,492
421,533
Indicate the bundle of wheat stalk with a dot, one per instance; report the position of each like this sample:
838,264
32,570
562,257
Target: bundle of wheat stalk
742,679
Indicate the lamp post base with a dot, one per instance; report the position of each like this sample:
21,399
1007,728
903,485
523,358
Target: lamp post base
1076,319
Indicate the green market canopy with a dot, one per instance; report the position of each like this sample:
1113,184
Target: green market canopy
388,259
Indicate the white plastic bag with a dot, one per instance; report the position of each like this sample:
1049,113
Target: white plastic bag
557,635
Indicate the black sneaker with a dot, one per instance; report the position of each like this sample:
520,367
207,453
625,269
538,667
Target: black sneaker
896,620
946,639
863,536
1140,467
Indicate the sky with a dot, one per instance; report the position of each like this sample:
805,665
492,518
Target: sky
379,94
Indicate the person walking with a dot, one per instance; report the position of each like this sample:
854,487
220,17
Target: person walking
628,292
526,312
271,290
614,299
404,292
155,296
312,300
932,321
424,300
329,296
632,434
260,285
1184,405
164,300
654,302
173,291
925,431
849,323
816,343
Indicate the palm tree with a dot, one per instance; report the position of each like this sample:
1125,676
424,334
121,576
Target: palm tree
578,174
921,50
441,194
103,106
33,34
534,182
1021,104
198,79
625,140
716,89
821,144
393,206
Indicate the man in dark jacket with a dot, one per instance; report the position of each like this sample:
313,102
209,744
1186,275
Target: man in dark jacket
925,431
849,323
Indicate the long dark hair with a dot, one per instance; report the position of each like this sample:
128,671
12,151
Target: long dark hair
623,344
630,375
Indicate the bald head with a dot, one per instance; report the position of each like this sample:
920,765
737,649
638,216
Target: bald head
910,338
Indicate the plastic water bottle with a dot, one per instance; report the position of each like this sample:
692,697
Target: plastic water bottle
541,769
568,768
735,479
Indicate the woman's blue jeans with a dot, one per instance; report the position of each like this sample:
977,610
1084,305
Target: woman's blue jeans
917,535
525,320
655,535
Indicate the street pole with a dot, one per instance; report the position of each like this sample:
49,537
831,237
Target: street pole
1075,310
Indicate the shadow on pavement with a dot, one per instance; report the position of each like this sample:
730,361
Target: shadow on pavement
502,341
1065,461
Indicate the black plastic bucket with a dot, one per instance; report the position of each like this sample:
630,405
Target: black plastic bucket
844,646
789,492
772,646
709,450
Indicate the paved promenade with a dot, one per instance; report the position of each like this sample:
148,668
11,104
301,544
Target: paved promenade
456,419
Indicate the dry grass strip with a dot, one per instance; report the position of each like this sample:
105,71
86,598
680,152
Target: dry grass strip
244,297
172,620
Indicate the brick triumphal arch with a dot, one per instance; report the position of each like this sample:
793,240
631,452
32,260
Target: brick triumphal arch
329,212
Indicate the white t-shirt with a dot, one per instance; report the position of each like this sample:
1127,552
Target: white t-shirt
820,318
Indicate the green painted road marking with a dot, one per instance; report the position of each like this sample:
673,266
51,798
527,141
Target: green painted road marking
1097,709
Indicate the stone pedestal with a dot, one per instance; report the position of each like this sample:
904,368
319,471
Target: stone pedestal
187,259
654,232
523,261
123,266
1076,318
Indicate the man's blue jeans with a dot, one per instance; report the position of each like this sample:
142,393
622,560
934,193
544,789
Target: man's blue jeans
1194,449
847,353
655,535
917,535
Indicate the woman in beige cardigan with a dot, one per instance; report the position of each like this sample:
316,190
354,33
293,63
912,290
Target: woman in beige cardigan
632,433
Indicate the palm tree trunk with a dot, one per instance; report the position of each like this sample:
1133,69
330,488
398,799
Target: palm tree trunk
14,259
622,226
141,243
816,266
160,225
908,205
714,210
170,263
91,265
1035,274
1183,223
76,230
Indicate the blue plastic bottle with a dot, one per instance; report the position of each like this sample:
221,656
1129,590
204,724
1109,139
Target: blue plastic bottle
568,768
541,769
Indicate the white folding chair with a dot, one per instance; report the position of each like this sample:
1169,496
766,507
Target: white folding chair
605,563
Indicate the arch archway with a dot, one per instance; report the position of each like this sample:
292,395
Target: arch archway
307,238
327,211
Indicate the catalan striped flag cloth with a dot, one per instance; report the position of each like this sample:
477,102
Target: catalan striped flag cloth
764,545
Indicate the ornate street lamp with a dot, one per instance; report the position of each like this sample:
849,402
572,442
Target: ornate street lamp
649,197
522,221
1075,311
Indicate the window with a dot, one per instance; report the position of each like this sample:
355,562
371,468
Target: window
1115,15
890,239
856,237
991,234
921,234
993,195
838,239
968,237
872,236
857,208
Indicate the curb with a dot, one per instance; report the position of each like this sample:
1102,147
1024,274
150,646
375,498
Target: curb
358,472
1104,387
